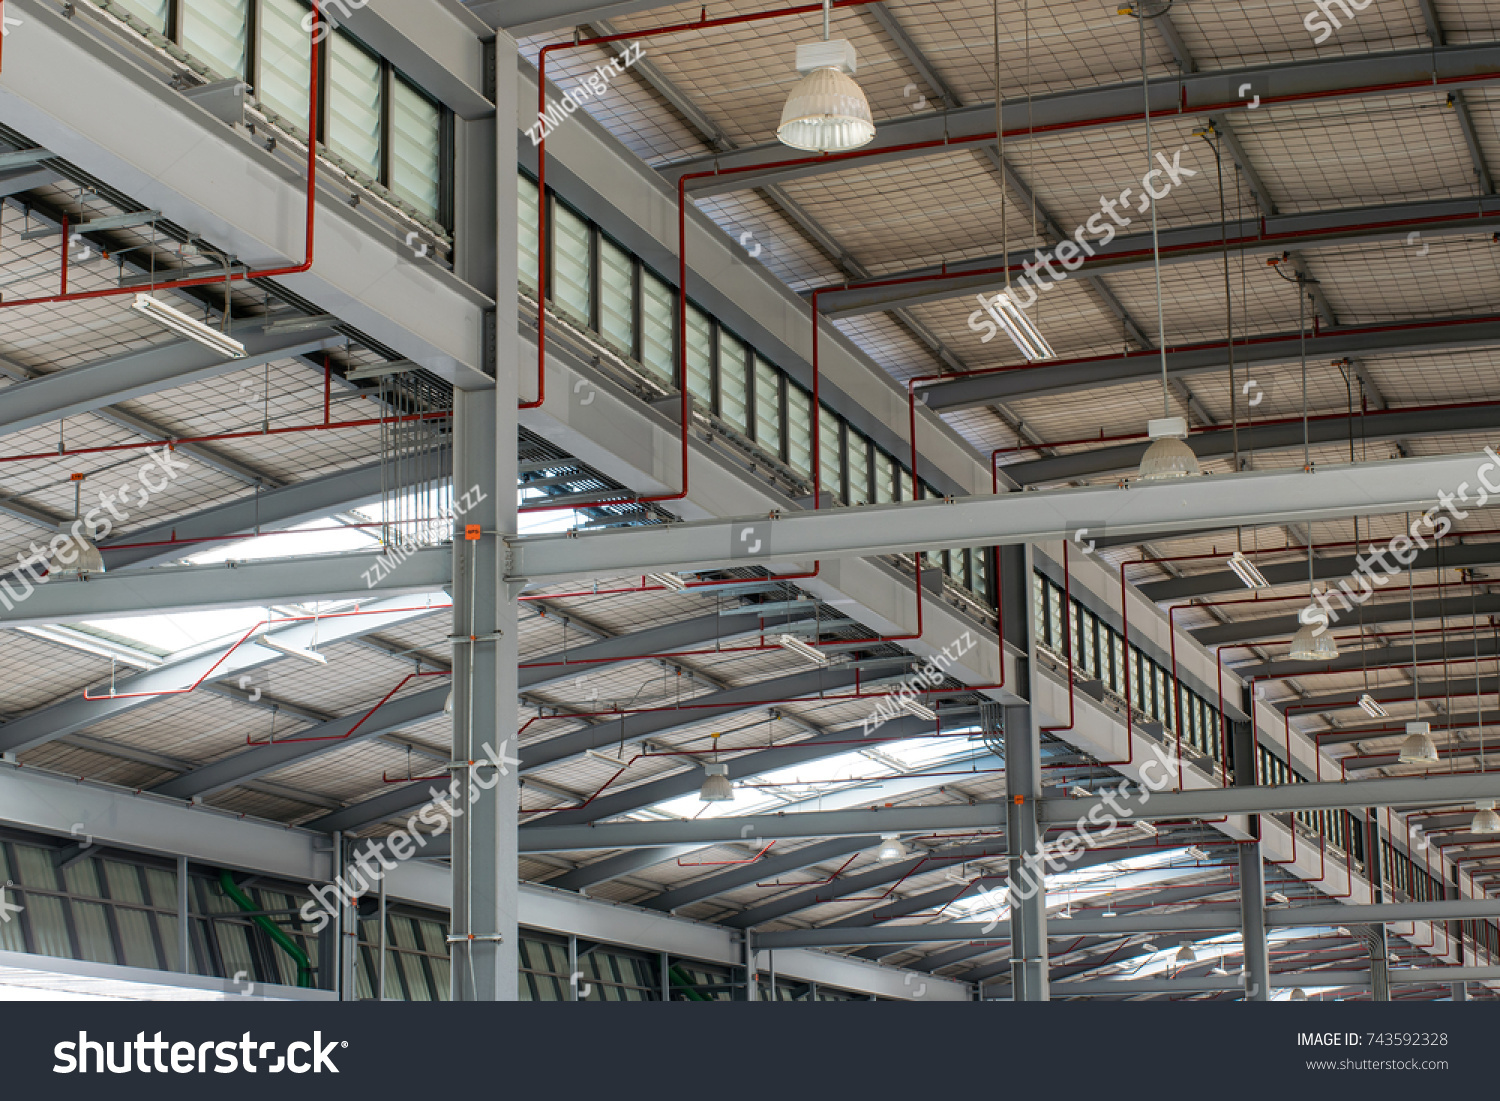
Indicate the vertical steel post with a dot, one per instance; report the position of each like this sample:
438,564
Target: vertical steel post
1027,875
1252,871
184,919
485,938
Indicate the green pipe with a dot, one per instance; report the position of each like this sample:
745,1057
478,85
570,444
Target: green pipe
288,945
686,984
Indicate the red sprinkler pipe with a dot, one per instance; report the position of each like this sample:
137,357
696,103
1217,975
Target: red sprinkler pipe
268,273
385,777
703,23
363,719
246,637
1068,637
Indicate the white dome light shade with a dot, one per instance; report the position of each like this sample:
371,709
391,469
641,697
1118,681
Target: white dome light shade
1168,456
1298,994
1418,748
87,558
716,786
891,848
1310,644
1485,819
1185,954
826,113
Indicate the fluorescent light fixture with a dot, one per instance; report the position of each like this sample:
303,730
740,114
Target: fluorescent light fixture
605,757
1108,911
1196,853
1022,332
1277,896
960,875
1146,828
1168,456
1081,793
668,581
1148,946
1247,572
292,651
826,112
891,848
1418,748
919,710
716,786
190,327
1372,708
793,644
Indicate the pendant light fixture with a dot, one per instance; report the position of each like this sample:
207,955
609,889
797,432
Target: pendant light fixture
1168,456
827,111
1313,640
1486,821
88,559
891,848
1418,748
717,787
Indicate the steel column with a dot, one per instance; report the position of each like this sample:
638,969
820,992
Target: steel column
1252,877
485,937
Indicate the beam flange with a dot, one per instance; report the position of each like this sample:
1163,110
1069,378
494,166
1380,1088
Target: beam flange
230,585
1249,499
1326,78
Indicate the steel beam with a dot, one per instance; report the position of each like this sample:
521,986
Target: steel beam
282,507
772,827
842,887
529,17
742,766
1217,443
1399,791
76,713
667,638
131,375
1457,646
1250,499
1408,976
229,585
248,764
1194,94
768,868
1269,236
1402,791
124,125
1097,372
1330,568
1200,919
434,42
1372,614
